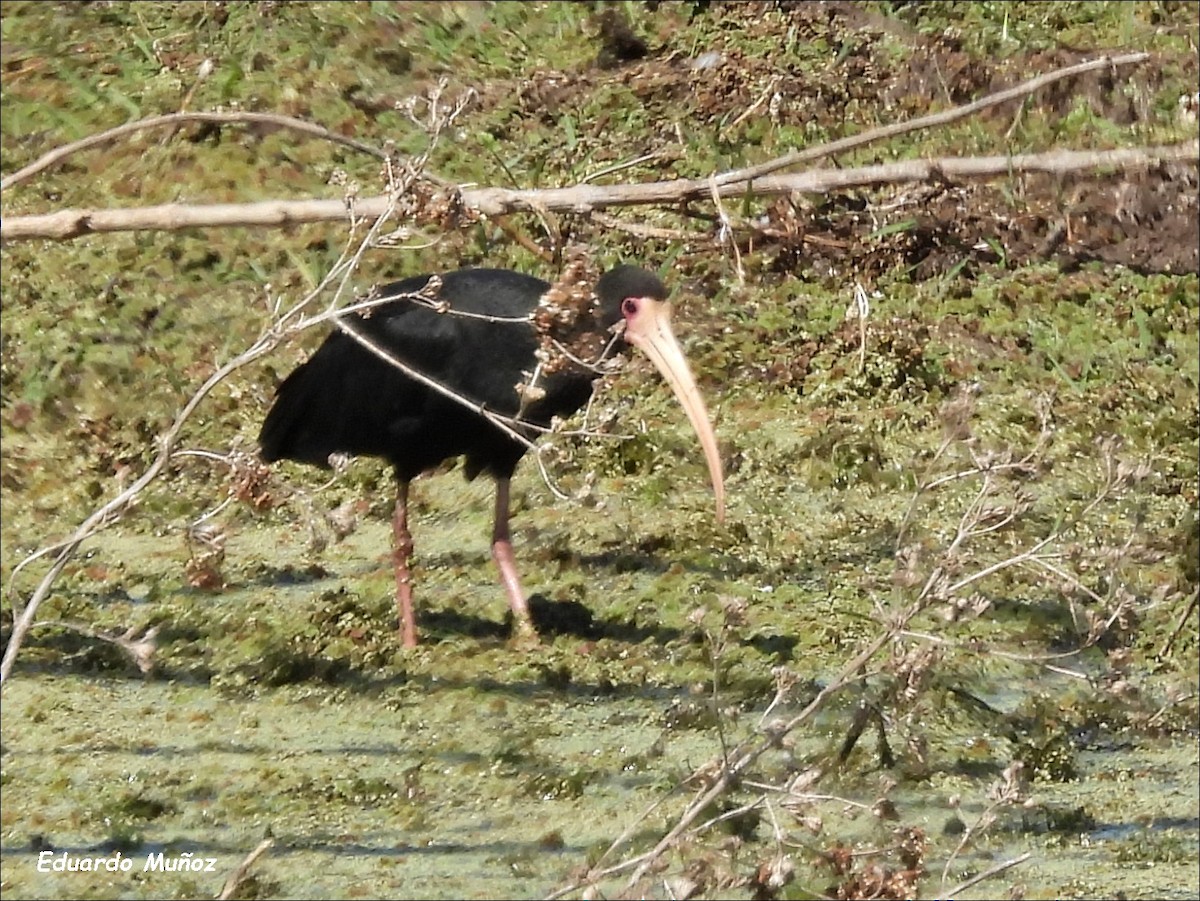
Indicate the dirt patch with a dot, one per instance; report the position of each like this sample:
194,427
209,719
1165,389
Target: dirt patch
1146,221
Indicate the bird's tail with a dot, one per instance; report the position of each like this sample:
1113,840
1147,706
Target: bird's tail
288,431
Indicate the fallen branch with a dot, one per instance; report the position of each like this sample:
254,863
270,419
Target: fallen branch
584,198
988,874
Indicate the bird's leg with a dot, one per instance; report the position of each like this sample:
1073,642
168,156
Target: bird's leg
401,553
502,553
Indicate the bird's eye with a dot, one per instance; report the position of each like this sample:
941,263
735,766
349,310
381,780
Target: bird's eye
629,306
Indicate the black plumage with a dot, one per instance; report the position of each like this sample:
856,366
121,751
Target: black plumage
477,332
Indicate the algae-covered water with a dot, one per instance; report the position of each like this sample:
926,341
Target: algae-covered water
432,791
281,704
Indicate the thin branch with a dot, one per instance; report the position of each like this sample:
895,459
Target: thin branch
1002,564
728,815
1187,613
1006,791
498,420
641,230
515,234
595,875
771,88
806,797
988,874
624,164
1040,660
236,877
56,156
725,232
797,157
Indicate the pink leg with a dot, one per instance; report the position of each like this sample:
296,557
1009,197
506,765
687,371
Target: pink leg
502,553
401,553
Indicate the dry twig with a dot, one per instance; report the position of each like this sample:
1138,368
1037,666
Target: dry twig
174,120
236,877
945,117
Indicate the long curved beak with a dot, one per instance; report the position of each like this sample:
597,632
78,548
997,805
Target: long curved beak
650,332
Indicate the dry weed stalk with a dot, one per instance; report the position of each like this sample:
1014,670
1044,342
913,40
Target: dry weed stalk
206,539
412,196
238,876
1010,789
894,673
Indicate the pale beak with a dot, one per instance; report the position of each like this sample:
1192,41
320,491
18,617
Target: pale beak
649,330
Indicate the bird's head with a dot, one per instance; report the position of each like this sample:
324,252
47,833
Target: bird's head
639,299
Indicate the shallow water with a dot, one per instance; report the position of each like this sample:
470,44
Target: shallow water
283,704
450,792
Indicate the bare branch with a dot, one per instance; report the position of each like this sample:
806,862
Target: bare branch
583,198
56,156
239,873
988,874
945,117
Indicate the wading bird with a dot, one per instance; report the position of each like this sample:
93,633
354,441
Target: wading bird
509,347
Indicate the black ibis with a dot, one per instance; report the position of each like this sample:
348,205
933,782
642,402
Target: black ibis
509,348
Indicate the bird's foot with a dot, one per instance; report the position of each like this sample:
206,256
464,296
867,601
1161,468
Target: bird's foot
524,635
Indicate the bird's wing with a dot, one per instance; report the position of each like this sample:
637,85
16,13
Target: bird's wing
347,398
416,337
406,325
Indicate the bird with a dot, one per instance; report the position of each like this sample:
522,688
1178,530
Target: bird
473,363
